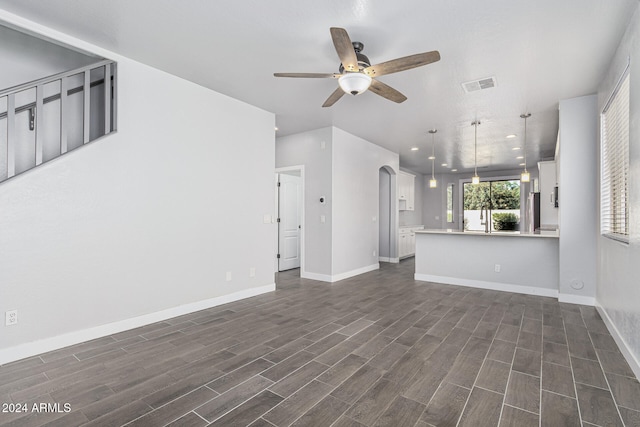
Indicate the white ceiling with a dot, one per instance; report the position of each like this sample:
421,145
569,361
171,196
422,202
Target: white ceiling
539,52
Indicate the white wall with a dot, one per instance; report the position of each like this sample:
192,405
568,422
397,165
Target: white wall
143,224
26,58
346,173
313,150
577,186
618,269
355,165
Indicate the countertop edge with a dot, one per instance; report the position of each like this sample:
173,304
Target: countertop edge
480,234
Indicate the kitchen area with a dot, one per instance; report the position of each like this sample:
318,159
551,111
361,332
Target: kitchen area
549,251
473,247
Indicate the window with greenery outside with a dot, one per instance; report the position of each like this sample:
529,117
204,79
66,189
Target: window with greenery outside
495,196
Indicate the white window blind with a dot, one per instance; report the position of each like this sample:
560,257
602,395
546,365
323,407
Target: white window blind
614,128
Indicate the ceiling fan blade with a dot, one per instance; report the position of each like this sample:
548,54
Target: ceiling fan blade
344,48
386,91
402,64
334,97
309,75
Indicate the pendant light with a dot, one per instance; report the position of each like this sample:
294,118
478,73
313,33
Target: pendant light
525,176
432,182
476,179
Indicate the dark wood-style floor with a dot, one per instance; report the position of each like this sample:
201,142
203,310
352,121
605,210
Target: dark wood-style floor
379,349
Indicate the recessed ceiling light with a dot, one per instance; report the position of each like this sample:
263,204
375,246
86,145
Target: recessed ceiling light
454,170
515,148
444,164
521,164
275,128
520,157
431,157
414,148
513,135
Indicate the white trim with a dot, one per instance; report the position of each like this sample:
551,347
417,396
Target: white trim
389,259
341,276
315,276
22,351
577,299
634,364
495,286
346,275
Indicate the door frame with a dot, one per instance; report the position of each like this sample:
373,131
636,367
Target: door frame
299,168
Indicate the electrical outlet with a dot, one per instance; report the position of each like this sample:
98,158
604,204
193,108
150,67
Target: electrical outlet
228,276
497,268
11,318
252,272
374,253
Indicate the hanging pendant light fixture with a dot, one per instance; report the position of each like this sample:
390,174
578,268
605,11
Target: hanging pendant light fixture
476,178
432,182
525,176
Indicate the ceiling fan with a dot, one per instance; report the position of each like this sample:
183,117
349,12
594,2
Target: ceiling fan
356,74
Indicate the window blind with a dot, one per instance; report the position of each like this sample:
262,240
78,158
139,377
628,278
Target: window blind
614,128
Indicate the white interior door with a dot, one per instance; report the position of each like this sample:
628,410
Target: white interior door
289,213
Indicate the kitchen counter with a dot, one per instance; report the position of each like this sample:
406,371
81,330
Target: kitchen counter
544,233
507,261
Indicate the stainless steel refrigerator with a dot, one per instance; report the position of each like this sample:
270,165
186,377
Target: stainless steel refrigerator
532,213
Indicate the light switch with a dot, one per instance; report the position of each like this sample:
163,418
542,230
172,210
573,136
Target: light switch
322,218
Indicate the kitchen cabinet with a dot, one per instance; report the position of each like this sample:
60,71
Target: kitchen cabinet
406,191
547,185
407,241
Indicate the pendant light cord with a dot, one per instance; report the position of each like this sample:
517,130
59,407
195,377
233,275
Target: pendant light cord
525,143
433,155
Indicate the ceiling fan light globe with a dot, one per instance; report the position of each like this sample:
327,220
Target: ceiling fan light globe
354,83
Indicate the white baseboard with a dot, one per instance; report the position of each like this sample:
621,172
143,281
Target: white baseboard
633,362
346,275
576,299
316,276
22,351
495,286
387,259
341,276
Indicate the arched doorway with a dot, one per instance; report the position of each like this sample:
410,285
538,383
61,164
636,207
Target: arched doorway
387,215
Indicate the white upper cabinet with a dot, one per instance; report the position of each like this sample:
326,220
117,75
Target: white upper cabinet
406,191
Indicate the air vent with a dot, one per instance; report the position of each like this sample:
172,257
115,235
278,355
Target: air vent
476,85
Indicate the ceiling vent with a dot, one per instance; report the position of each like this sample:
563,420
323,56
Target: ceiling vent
476,85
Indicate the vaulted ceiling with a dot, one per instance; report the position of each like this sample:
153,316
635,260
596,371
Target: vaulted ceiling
539,52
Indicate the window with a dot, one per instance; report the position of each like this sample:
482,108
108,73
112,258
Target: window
450,203
492,205
614,136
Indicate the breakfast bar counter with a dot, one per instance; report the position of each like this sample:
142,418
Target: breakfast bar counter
506,261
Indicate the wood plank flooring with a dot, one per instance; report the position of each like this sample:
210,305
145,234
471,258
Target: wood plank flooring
379,349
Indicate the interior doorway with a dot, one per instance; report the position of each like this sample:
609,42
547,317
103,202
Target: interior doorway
386,218
290,219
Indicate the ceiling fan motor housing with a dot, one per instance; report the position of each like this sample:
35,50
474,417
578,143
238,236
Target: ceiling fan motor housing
363,60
